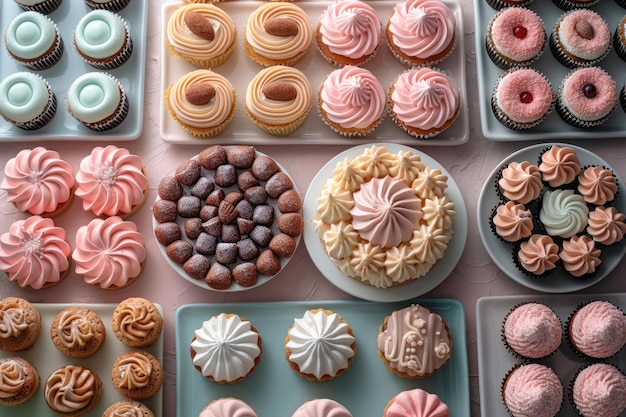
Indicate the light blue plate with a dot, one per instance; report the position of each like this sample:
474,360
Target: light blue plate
274,389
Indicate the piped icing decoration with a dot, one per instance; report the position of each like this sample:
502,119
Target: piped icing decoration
524,95
385,211
606,225
600,389
71,388
320,407
521,182
584,34
418,403
539,254
513,221
352,97
424,98
12,378
590,94
25,100
533,390
295,27
597,185
34,252
111,181
227,407
580,256
598,329
415,341
533,330
350,28
559,165
37,180
100,34
226,347
136,320
320,343
109,253
135,371
563,213
518,34
13,320
30,35
74,329
281,111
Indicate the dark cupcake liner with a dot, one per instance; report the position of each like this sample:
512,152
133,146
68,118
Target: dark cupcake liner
116,118
503,62
568,186
501,4
116,61
618,45
573,4
569,60
622,98
44,118
526,272
621,3
574,121
112,6
45,7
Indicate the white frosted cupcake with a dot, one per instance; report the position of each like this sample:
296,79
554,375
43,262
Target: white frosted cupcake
102,39
33,40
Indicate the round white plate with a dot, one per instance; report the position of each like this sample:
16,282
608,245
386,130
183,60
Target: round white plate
356,288
501,253
262,279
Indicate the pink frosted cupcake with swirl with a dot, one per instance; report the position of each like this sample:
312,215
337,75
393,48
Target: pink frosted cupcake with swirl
580,256
532,390
597,185
559,166
111,181
599,390
34,253
597,329
321,407
532,330
512,222
606,225
39,182
520,182
109,253
349,32
351,101
538,255
416,402
421,32
424,102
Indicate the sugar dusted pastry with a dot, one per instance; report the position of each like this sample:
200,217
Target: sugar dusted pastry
21,324
599,390
78,332
137,322
532,389
19,381
597,329
72,390
532,330
137,375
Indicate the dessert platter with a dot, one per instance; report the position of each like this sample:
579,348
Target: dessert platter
46,358
553,127
240,69
60,76
495,360
501,252
405,291
276,389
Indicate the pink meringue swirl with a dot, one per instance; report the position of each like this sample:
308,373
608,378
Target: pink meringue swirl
521,182
350,28
559,165
417,403
37,180
424,98
598,329
386,211
34,252
111,181
422,28
353,98
513,221
580,256
606,225
600,390
533,390
597,185
109,253
538,254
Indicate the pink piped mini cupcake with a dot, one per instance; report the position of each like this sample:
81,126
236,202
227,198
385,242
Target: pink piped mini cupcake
597,330
516,36
512,222
599,390
597,185
559,166
532,330
537,256
606,225
532,390
522,98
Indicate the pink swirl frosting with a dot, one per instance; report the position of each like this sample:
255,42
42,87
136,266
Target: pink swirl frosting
533,390
37,180
422,28
538,254
350,28
34,252
597,185
513,221
598,329
417,403
424,98
559,165
580,256
606,225
386,211
322,407
109,252
111,181
600,390
521,182
227,407
352,97
533,330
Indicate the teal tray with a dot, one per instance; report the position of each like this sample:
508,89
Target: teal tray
274,389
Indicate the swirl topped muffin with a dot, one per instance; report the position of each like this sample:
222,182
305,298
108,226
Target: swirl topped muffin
137,322
21,324
72,390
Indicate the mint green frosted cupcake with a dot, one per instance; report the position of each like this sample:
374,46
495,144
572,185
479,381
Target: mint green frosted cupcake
27,101
33,40
102,39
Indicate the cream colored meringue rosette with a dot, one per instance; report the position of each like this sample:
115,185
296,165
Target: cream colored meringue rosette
385,218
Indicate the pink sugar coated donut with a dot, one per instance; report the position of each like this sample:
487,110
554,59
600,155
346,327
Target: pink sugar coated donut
517,34
524,95
589,93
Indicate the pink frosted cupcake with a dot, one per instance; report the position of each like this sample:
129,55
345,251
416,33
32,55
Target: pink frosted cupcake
532,330
351,101
109,253
512,222
538,255
38,181
34,253
520,182
416,402
597,330
580,38
321,407
522,98
606,225
421,32
532,390
597,185
111,181
227,406
587,97
599,390
515,37
559,166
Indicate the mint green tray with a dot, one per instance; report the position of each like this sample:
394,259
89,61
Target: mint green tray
275,390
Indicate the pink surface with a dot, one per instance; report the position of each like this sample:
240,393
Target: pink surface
475,276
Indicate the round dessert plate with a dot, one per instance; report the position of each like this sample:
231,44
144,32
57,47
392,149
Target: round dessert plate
501,253
262,279
403,292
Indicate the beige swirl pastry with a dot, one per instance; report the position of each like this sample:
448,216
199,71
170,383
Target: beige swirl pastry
277,34
521,182
559,165
597,185
78,332
72,390
19,381
580,256
137,375
20,324
606,225
278,99
539,254
563,213
137,322
513,221
202,34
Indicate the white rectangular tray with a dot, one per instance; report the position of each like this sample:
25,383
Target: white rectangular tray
131,75
240,69
553,128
